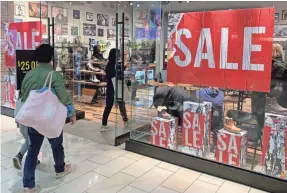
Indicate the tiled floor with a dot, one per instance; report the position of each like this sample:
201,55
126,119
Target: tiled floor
100,168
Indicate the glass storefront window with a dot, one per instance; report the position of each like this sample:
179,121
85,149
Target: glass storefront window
219,90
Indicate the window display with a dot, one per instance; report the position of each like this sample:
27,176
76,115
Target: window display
209,54
208,84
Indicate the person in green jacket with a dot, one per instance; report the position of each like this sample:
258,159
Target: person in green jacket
34,80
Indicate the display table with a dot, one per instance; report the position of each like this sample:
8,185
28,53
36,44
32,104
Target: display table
87,72
164,132
196,128
95,62
231,148
100,84
188,87
274,148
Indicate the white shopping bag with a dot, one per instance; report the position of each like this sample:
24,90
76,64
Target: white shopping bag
43,112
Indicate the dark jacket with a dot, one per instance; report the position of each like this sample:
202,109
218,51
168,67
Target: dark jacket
170,97
111,70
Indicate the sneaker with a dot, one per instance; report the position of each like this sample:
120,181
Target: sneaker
37,189
105,128
17,162
68,169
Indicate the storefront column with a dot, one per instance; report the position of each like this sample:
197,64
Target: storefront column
7,16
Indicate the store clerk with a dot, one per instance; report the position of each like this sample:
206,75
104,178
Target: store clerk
97,54
169,100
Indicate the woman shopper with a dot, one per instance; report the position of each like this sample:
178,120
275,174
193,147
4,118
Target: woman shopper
110,74
34,80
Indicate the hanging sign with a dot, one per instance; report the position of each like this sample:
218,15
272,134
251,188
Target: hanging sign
227,49
26,61
20,36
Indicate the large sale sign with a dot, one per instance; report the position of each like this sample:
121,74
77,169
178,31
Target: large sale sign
21,36
227,49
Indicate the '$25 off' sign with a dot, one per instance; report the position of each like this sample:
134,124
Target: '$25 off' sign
27,65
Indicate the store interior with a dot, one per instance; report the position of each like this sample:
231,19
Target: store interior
82,26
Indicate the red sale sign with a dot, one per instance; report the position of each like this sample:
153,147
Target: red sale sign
193,129
231,148
227,49
21,36
164,132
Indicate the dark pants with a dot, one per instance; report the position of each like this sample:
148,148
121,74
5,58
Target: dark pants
110,97
36,140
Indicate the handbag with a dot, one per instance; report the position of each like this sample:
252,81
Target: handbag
127,95
43,112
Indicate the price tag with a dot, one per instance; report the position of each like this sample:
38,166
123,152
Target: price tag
26,61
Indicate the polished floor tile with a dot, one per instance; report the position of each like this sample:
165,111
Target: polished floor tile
101,168
140,167
81,184
181,180
161,189
10,174
49,184
107,156
80,169
152,179
235,187
7,163
112,184
168,166
211,179
130,189
202,187
133,156
114,166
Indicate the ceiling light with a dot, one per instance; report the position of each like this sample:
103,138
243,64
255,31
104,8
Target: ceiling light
138,5
70,2
131,3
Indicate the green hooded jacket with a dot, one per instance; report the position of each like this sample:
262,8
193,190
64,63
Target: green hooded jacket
35,79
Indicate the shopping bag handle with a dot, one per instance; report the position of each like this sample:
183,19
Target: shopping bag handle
50,75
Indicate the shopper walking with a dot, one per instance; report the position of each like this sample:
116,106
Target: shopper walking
34,80
110,92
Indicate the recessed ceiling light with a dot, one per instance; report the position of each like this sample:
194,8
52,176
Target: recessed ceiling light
138,5
131,3
70,3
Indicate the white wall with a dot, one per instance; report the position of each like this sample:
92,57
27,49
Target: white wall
93,7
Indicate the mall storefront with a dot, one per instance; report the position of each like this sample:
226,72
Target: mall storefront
205,86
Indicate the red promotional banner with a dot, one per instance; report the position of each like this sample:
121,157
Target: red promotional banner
193,130
21,36
227,49
231,148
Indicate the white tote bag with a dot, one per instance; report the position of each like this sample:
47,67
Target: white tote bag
126,96
43,112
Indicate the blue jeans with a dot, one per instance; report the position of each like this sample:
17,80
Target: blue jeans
36,140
